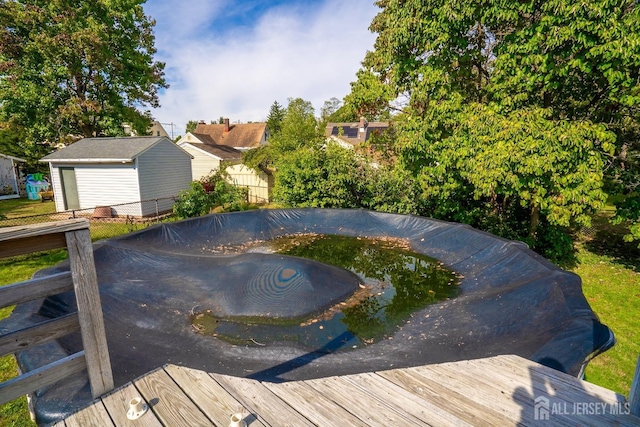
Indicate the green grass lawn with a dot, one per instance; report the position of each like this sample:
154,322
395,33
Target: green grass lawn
609,267
610,272
13,270
14,208
16,413
614,294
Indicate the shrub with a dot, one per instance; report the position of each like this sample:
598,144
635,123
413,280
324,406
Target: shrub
192,202
209,192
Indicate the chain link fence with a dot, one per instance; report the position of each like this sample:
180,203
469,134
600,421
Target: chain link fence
108,221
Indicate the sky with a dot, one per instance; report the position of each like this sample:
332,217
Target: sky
234,58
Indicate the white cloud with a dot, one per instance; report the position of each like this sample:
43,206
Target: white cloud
292,50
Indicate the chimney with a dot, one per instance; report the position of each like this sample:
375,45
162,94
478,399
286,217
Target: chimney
362,129
226,125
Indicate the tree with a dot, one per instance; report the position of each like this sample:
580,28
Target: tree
298,128
628,211
370,97
478,81
77,67
275,117
329,108
520,161
9,140
581,69
336,177
191,126
317,177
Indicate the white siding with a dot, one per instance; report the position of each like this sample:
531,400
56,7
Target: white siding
258,184
164,171
101,185
106,184
54,179
202,163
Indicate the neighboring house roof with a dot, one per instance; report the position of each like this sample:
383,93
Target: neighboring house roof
16,159
356,132
99,150
204,138
221,151
241,136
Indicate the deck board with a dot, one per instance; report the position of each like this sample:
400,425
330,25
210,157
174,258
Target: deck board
209,395
426,410
374,412
261,401
485,390
321,412
88,415
499,390
168,402
117,403
546,382
466,406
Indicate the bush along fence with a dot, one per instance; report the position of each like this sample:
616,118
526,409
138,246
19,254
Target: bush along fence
109,221
256,194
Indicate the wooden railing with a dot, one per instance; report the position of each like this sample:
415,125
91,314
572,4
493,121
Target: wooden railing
74,235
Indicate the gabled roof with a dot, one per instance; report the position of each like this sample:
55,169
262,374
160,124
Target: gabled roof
204,142
204,138
349,132
97,150
242,136
220,151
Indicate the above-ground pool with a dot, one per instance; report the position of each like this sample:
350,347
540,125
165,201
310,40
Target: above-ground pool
212,293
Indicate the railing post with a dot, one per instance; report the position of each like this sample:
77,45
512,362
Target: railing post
75,236
85,283
634,394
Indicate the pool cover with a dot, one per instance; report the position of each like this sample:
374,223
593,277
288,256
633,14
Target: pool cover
512,301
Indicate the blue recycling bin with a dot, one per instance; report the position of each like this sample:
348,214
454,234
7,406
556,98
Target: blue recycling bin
35,184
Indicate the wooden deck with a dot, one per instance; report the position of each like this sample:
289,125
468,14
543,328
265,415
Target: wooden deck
497,391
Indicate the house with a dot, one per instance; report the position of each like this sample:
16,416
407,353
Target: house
349,135
9,176
111,171
241,136
206,154
211,145
157,129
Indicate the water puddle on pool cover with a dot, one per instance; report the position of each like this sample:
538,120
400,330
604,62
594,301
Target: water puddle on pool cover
396,282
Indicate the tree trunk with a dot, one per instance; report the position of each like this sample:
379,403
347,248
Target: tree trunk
534,220
623,156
